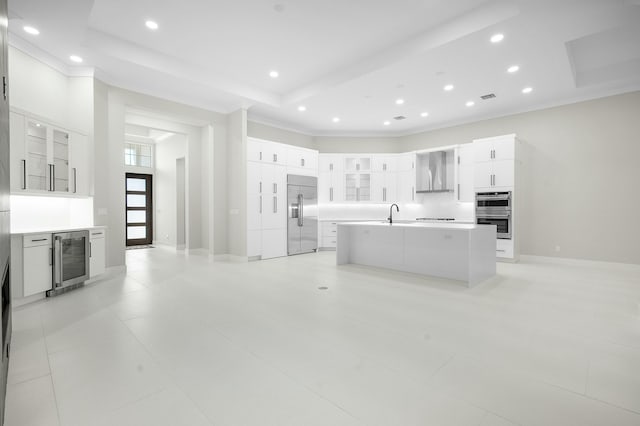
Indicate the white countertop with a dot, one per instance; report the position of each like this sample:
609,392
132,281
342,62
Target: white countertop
53,230
420,224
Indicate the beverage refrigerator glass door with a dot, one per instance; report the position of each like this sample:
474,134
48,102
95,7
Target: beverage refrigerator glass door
71,258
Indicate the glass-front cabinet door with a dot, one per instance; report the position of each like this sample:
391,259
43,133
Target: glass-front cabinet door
35,165
60,163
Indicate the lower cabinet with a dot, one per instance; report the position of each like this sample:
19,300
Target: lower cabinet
328,234
37,264
97,252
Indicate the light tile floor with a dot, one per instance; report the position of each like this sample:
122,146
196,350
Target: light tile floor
181,341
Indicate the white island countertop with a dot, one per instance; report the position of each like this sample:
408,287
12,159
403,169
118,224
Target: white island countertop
459,251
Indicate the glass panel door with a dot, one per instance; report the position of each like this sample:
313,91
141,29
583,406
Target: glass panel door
36,157
60,161
139,209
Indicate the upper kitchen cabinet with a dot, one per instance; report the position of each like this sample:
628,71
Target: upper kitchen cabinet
357,163
495,162
465,164
495,148
302,161
330,163
383,163
266,151
41,158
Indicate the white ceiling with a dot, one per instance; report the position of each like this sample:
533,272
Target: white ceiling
348,59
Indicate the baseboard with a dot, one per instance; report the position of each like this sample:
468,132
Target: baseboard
15,303
230,258
579,262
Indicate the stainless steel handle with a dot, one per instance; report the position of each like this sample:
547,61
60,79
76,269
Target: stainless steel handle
331,166
458,192
96,233
75,180
357,194
260,156
384,194
50,256
275,204
275,188
413,193
384,166
57,267
39,239
50,177
260,211
260,189
302,162
90,245
300,210
357,166
53,179
24,174
275,158
330,194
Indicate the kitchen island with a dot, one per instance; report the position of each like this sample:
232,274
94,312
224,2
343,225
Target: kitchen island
463,252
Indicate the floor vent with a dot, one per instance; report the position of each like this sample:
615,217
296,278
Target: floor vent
488,96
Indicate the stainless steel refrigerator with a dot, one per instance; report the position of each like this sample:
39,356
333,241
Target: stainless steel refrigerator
302,219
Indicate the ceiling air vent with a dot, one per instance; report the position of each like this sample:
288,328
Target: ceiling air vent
400,117
488,96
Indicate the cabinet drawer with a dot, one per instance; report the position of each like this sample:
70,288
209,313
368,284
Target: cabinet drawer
37,240
329,241
329,229
504,249
95,234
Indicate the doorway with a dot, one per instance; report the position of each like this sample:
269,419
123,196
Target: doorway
139,209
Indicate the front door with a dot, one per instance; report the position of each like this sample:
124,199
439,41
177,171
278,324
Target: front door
139,209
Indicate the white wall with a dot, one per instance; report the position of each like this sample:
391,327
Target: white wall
29,212
237,183
165,188
580,178
111,107
275,134
344,144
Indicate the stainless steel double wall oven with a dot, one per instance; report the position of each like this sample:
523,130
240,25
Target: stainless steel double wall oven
495,208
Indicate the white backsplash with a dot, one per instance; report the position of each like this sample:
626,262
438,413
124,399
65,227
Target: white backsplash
427,205
41,212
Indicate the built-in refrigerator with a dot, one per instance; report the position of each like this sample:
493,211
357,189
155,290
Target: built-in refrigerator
302,222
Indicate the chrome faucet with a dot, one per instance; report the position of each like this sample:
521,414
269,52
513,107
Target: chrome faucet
391,212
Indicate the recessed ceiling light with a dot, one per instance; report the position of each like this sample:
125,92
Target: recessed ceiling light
424,114
386,123
274,74
30,30
513,68
527,90
75,58
497,38
152,25
448,87
336,119
302,108
399,101
470,103
37,124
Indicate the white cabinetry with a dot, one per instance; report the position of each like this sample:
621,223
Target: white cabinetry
96,252
330,179
302,161
465,187
407,177
45,157
328,234
37,264
494,166
267,198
